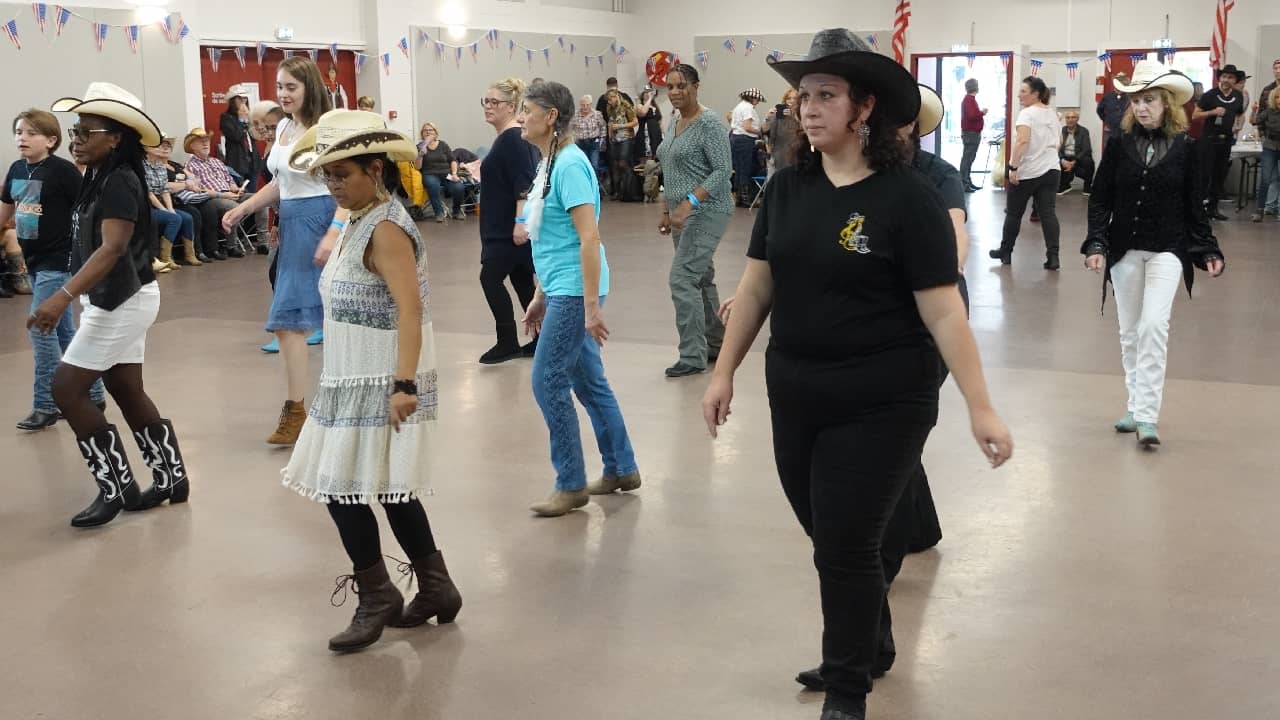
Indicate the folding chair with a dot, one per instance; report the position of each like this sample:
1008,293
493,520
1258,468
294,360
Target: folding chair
242,237
760,181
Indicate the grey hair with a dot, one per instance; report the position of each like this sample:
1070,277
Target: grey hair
588,98
970,85
550,95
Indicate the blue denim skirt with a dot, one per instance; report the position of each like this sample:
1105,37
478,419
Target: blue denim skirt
296,304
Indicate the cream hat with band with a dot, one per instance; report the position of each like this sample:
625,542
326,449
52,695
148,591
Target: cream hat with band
1149,74
113,102
237,90
343,134
192,136
931,110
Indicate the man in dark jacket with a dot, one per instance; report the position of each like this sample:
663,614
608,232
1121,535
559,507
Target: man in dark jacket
1075,154
1111,108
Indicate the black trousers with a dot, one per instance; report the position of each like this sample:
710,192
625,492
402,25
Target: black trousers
1083,169
1215,162
846,447
358,529
1044,191
210,227
742,150
515,263
971,142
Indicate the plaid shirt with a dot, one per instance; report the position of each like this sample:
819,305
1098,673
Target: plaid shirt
157,178
211,173
590,127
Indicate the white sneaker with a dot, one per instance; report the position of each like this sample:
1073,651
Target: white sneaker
1064,191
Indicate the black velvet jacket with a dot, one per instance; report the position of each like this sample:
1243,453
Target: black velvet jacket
1157,209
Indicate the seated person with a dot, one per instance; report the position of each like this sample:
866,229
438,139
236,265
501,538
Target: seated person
439,173
364,102
216,179
173,227
1075,154
206,219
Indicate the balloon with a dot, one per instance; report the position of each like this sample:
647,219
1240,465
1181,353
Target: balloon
658,65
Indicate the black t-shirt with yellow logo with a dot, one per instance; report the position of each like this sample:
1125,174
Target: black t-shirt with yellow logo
846,261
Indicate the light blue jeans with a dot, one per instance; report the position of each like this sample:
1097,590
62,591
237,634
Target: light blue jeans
47,349
568,359
1268,178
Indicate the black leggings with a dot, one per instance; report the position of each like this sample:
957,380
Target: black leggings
1044,191
359,531
516,264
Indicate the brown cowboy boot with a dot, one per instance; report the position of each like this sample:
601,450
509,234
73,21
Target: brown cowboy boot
437,596
189,256
292,416
380,605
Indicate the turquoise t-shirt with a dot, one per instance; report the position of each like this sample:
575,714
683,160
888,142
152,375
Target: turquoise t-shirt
557,251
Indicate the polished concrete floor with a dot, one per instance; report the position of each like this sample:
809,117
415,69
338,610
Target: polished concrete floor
1086,579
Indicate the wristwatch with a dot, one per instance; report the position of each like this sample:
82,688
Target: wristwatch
408,387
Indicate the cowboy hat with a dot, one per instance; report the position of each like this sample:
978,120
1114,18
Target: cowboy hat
840,52
237,90
115,103
1149,74
1241,75
195,134
931,110
752,94
342,134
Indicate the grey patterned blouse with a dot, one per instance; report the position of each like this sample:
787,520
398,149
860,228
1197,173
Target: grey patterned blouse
697,156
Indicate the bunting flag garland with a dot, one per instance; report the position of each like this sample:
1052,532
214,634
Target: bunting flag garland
572,48
622,50
287,53
100,34
262,53
333,52
901,21
404,46
386,63
873,42
1072,68
424,38
61,16
215,57
314,54
439,47
492,35
728,45
1218,48
704,58
1169,52
11,29
131,34
561,41
360,61
529,54
600,60
586,61
776,55
42,12
1138,57
457,56
1035,67
970,58
167,26
512,50
475,51
183,29
546,55
613,47
1105,58
239,51
747,46
1007,57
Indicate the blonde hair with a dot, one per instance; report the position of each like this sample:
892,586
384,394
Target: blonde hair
423,130
1273,100
513,88
790,91
1175,118
364,102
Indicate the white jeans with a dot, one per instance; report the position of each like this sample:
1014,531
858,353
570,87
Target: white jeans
1145,285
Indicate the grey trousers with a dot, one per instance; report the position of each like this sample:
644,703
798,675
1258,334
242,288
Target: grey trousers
693,286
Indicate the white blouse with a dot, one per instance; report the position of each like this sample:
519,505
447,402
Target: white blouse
293,184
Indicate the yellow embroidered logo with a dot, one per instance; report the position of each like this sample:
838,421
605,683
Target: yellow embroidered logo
851,237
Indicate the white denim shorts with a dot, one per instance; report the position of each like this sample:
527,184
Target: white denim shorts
107,338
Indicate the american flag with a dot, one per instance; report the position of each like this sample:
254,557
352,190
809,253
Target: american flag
333,52
546,55
475,51
183,29
1105,59
1218,49
11,29
262,52
1035,67
970,58
100,34
239,51
1072,69
386,63
360,60
42,12
748,46
215,57
901,20
61,16
404,46
1138,57
131,34
313,53
728,45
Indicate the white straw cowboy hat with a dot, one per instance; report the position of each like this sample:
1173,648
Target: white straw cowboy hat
839,52
931,110
1149,74
752,94
114,102
342,134
237,90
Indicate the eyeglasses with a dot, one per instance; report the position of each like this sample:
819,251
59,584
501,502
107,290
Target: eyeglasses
82,133
332,181
493,102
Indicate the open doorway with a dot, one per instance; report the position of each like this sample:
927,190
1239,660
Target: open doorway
947,74
1192,62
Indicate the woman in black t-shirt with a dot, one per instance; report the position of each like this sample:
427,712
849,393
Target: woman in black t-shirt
854,257
111,262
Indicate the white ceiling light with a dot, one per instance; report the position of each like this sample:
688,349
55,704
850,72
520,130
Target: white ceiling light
454,19
149,11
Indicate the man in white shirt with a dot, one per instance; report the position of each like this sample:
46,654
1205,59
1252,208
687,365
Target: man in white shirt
743,134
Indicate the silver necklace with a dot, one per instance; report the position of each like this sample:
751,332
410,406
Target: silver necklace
31,170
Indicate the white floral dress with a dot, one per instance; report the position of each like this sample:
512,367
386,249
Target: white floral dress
347,451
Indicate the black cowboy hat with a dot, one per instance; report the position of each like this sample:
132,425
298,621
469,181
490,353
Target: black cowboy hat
839,52
1241,76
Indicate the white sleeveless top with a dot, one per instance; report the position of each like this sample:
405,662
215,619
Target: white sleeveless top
293,184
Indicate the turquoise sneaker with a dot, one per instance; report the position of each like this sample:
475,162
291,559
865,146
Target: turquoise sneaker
272,347
1127,424
317,338
1147,435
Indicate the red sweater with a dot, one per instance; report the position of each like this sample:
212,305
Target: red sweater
970,115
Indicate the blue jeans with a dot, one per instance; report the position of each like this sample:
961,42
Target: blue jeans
436,186
569,359
591,148
1268,166
47,349
174,226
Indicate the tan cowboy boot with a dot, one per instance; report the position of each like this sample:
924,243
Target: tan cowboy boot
292,416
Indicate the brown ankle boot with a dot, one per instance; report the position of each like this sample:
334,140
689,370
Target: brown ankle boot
437,596
166,255
380,605
189,254
292,416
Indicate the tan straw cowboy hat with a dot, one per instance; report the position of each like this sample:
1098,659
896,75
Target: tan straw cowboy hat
342,134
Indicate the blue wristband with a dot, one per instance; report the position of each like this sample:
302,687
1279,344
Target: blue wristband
337,224
694,201
521,220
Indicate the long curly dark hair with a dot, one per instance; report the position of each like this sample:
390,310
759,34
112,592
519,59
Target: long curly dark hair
883,150
128,154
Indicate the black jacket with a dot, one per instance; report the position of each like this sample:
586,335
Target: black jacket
1158,208
1084,147
240,149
